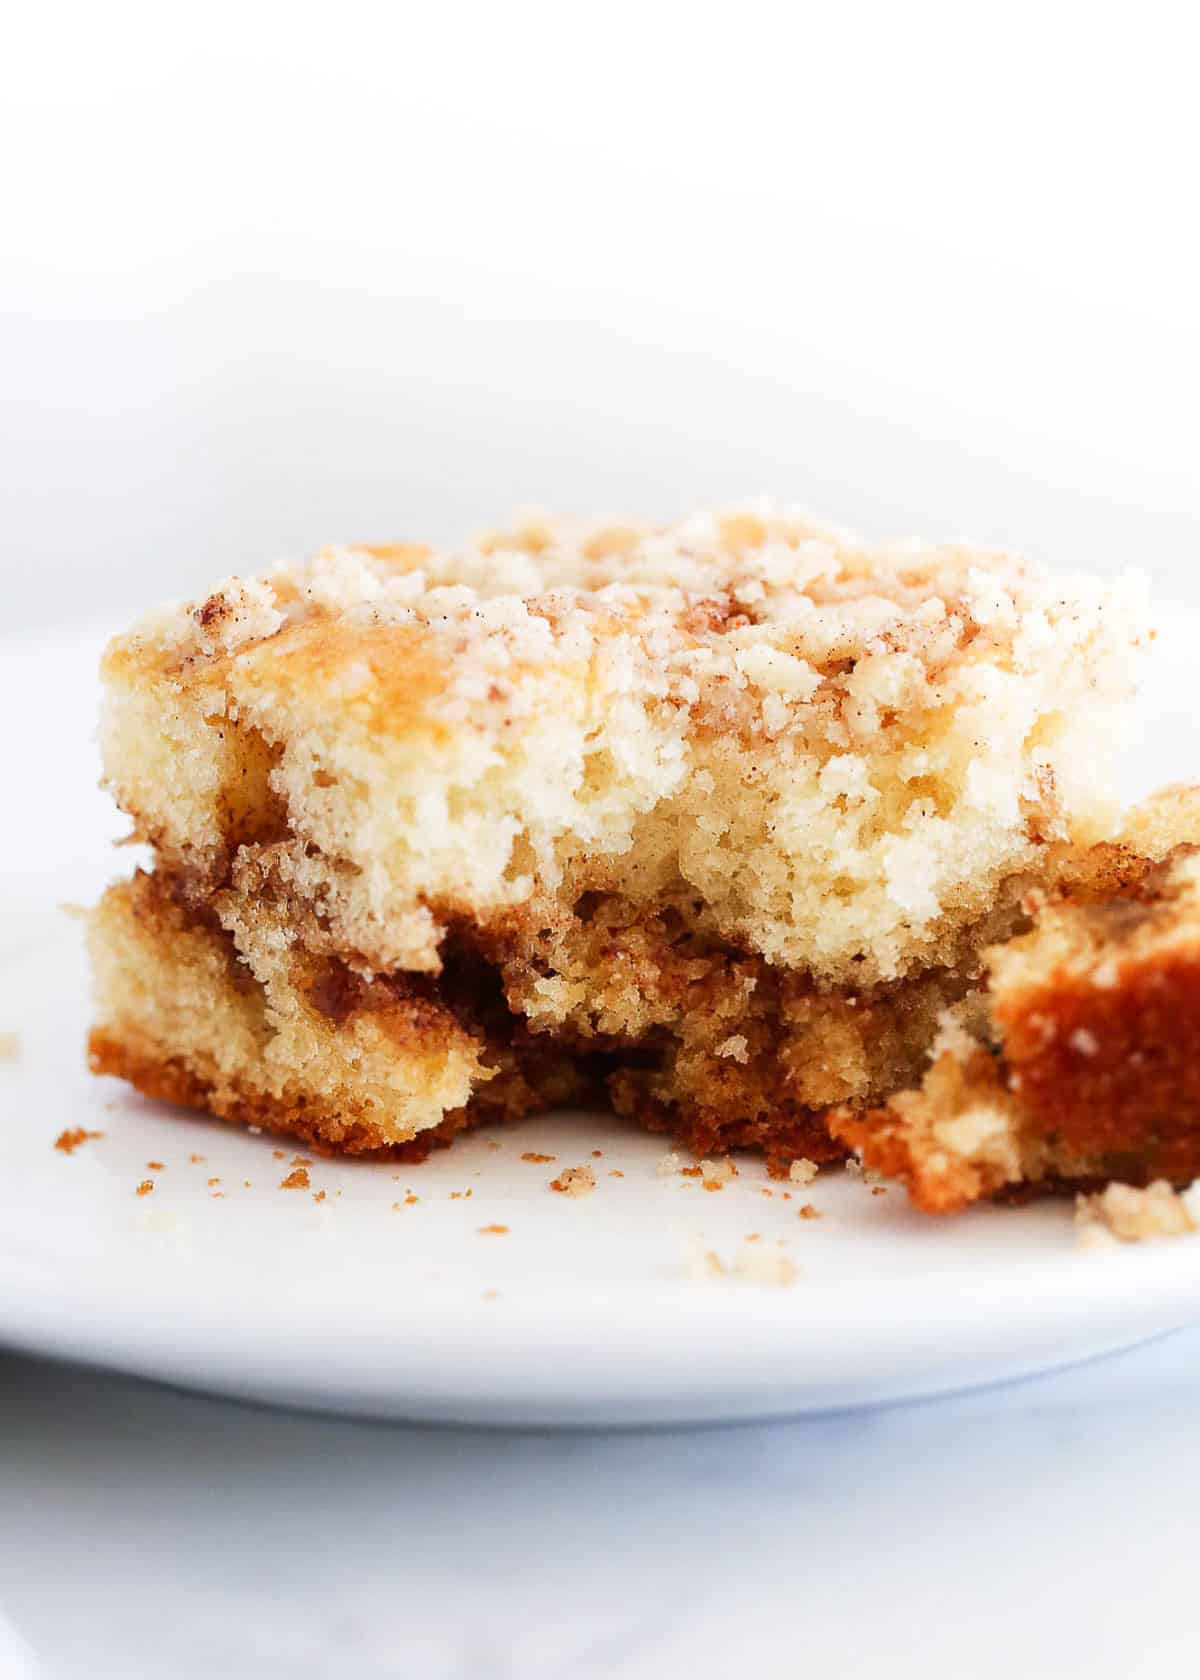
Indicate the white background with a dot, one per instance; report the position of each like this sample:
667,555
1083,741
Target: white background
278,276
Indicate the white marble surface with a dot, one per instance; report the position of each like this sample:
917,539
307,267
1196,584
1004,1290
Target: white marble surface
1049,1528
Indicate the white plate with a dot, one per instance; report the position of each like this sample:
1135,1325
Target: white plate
581,1311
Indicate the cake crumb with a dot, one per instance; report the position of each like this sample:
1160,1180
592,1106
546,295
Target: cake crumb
301,1161
538,1160
751,1264
410,1200
574,1181
802,1171
668,1165
319,1196
493,1230
808,1211
195,1159
615,1172
765,1266
295,1180
10,1046
1133,1215
145,1187
597,1154
703,1263
155,1166
1089,1236
717,1174
68,1142
879,1189
213,1181
491,1294
279,1154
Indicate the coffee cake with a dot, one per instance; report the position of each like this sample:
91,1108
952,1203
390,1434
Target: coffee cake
708,821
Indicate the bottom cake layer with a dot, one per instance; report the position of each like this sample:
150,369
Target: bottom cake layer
223,1006
286,1044
1064,1054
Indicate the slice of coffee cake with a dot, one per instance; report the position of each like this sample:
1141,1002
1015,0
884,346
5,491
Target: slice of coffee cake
708,821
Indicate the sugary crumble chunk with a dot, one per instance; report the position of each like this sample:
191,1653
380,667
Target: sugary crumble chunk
1133,1215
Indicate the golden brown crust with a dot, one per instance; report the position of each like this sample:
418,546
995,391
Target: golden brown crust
1110,1072
169,1079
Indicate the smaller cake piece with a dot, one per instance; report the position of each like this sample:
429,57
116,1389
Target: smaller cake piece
1080,1063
